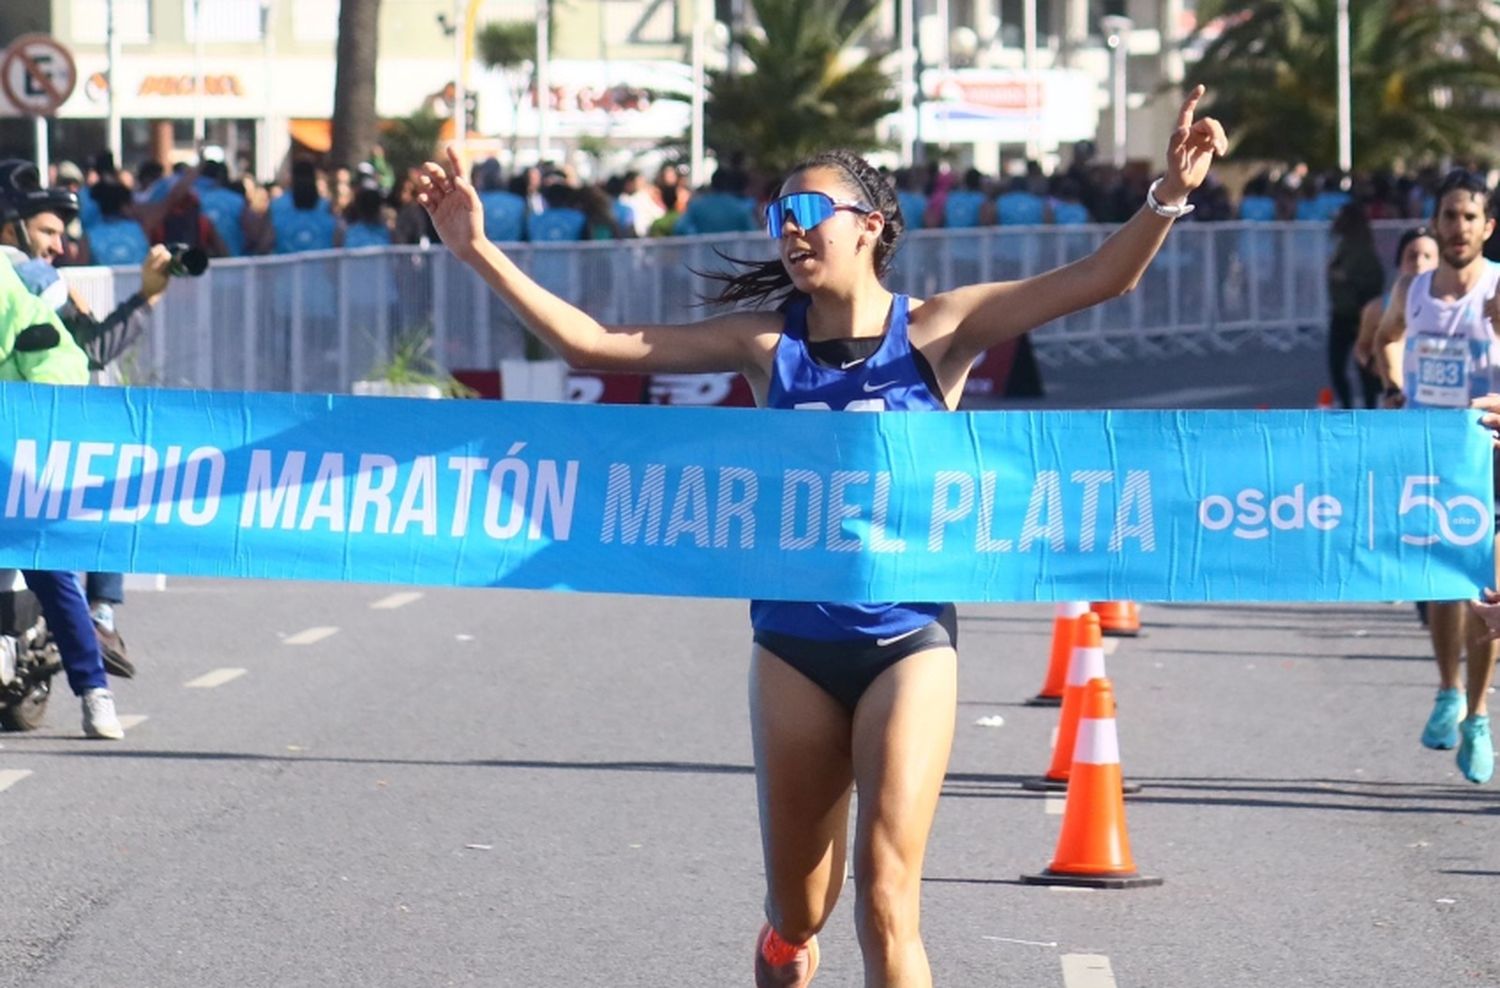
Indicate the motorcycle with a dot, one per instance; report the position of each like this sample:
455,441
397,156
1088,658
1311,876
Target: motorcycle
28,656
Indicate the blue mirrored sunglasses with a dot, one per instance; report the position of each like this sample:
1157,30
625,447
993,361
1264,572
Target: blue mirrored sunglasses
807,210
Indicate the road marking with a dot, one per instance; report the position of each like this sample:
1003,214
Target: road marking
10,776
1024,943
1055,805
1109,645
218,677
311,635
1087,971
127,721
1069,888
396,600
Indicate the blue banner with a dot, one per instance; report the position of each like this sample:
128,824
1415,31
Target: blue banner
980,506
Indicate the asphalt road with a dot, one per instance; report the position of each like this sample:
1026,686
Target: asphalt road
508,788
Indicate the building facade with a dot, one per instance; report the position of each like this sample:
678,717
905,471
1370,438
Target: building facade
254,76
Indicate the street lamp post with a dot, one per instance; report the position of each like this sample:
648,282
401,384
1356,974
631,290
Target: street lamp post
543,81
112,33
1346,142
1028,48
1117,36
199,118
460,86
907,31
697,166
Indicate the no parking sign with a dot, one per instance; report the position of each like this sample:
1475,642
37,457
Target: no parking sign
37,74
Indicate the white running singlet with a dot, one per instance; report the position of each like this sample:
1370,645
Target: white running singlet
1452,354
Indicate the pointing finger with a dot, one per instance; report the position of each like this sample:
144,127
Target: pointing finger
1185,117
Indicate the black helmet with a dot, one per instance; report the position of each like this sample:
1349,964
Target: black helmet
22,195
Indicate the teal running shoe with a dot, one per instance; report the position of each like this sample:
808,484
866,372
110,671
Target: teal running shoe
1476,752
1441,731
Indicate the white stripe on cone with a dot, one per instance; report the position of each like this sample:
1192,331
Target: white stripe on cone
1087,663
1071,609
1097,743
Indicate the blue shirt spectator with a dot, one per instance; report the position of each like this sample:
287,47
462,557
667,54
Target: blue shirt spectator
114,238
367,235
225,209
301,219
504,216
116,241
504,209
1019,206
561,219
719,209
961,211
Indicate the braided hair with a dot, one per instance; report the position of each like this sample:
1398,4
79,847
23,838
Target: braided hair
757,281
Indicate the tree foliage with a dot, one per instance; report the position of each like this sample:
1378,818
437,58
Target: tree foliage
808,90
1425,78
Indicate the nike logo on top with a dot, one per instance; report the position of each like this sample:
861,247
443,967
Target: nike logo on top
883,642
851,363
878,387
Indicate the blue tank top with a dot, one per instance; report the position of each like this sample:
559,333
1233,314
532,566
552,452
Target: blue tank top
888,380
116,241
302,229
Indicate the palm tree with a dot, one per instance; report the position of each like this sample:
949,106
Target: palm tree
354,121
809,90
1424,78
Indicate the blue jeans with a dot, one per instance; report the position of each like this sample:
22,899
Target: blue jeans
68,619
106,587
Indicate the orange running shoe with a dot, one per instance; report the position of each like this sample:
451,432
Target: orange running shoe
780,964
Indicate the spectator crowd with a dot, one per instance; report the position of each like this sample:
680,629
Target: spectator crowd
124,212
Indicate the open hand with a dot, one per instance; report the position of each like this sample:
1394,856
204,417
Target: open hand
452,203
155,272
1488,611
1191,150
1490,405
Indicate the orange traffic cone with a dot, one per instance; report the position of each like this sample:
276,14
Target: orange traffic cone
1325,400
1086,664
1118,618
1064,633
1093,850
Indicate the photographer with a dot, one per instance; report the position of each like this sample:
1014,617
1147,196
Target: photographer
32,224
34,347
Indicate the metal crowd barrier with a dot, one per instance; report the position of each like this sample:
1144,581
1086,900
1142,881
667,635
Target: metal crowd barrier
320,321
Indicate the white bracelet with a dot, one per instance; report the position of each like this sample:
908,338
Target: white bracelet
1161,209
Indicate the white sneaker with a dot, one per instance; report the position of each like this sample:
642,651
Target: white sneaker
99,720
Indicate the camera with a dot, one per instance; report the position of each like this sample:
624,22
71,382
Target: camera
187,260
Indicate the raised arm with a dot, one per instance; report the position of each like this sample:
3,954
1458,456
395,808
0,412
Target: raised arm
985,315
742,342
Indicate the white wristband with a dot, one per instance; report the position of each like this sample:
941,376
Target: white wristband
1160,209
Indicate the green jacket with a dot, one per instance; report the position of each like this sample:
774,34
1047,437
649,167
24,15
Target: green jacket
65,363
